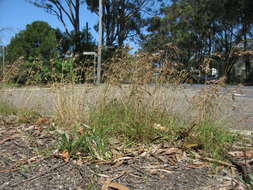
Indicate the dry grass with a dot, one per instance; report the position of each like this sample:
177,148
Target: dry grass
139,103
150,108
69,106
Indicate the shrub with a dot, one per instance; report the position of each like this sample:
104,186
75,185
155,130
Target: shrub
39,71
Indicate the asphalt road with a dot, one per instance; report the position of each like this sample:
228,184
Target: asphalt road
237,112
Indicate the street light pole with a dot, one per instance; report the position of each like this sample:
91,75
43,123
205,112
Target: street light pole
99,42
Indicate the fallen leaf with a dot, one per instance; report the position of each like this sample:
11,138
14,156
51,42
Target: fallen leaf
172,151
65,156
114,185
116,154
106,185
198,165
156,171
79,162
144,154
29,128
8,170
117,164
41,121
190,145
212,160
123,158
81,130
159,127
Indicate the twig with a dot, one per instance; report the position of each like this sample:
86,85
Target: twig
212,160
39,175
217,161
120,175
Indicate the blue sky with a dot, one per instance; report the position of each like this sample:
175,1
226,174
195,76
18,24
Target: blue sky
16,14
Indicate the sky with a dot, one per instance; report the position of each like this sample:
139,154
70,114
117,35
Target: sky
16,14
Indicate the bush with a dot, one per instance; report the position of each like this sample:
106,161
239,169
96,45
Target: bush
38,71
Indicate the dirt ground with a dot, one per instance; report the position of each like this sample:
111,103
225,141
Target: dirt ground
29,161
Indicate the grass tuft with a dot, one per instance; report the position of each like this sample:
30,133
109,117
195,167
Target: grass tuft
132,124
93,142
214,139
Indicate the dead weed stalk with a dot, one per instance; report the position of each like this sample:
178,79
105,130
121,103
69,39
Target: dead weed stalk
69,106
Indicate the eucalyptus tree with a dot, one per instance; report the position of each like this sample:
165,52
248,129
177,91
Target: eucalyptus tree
203,30
66,11
122,19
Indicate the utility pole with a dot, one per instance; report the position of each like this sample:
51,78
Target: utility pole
99,42
3,60
87,33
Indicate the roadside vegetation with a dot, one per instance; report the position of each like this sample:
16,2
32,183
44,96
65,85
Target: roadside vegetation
136,110
139,107
140,115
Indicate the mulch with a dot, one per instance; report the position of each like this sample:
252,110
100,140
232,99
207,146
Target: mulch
29,160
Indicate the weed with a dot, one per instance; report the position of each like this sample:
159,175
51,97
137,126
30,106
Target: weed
208,103
92,141
214,139
69,107
143,111
251,180
130,122
27,116
6,109
137,106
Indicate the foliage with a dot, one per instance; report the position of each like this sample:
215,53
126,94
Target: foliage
39,71
39,55
65,11
202,29
138,124
122,19
214,139
142,115
38,40
68,43
93,142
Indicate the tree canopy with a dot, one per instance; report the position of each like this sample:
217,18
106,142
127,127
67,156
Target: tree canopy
122,19
191,33
65,10
202,29
38,40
